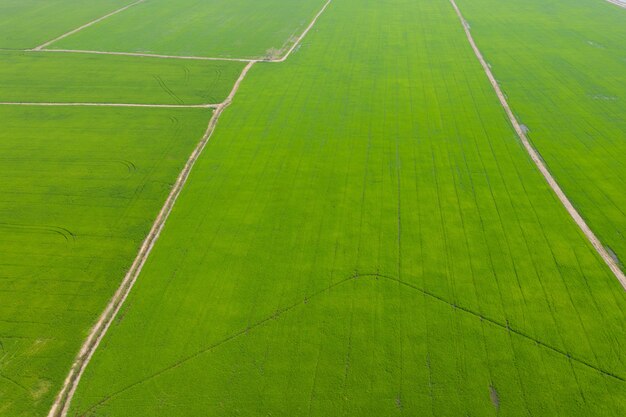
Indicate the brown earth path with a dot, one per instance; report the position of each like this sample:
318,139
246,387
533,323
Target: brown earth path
536,158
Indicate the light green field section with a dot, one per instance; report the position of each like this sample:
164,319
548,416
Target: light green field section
224,28
78,195
364,235
29,23
563,66
56,77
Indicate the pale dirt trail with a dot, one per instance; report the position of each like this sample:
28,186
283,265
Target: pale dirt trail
297,42
62,402
139,54
61,405
86,25
165,106
618,3
199,58
604,254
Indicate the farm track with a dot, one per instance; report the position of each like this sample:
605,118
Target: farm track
60,406
166,106
42,48
538,161
144,55
618,3
86,25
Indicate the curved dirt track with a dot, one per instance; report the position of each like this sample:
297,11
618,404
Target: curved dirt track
604,254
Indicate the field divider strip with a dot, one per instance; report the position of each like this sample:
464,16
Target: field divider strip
302,35
618,3
143,55
62,402
538,161
42,48
86,25
165,106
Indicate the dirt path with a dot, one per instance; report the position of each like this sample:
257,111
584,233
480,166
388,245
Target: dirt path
165,106
61,405
86,25
198,58
297,42
618,3
604,254
42,48
62,402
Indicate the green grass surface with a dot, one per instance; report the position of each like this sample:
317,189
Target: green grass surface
78,195
226,28
563,66
56,77
365,236
29,23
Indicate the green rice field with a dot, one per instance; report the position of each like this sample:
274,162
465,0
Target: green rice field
28,23
224,28
564,70
53,77
364,233
77,197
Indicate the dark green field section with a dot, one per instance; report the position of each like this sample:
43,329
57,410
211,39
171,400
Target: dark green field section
78,195
225,28
64,77
29,23
364,235
563,66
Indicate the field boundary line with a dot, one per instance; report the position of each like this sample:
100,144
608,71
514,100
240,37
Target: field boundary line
143,55
86,25
165,106
538,161
61,404
302,35
42,48
618,3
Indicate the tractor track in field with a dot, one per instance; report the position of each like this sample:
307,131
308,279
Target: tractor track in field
164,106
538,161
60,406
278,313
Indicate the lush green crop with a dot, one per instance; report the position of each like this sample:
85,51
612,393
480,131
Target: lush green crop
55,77
80,188
563,66
242,28
29,23
364,235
